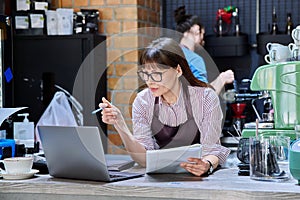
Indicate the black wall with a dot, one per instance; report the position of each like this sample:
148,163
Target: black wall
207,9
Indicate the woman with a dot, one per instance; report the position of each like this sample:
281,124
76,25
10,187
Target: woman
162,114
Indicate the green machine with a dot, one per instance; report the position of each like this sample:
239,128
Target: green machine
281,81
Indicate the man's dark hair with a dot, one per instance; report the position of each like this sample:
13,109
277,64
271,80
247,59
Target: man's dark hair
184,21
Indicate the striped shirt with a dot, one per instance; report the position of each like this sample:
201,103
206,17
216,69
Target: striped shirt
206,111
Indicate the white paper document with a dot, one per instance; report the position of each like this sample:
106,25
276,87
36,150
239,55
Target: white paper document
168,160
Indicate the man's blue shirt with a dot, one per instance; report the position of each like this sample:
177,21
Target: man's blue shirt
196,63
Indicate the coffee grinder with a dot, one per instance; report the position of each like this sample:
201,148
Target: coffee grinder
238,117
281,81
239,110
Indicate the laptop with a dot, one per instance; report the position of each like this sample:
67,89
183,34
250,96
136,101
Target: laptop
77,153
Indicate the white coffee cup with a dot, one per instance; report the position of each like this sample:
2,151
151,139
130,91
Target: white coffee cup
294,51
278,55
270,59
292,46
270,46
17,165
296,35
295,54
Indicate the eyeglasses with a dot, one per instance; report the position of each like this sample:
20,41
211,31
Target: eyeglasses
155,76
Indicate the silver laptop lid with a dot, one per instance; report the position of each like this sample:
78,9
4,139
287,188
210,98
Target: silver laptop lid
74,152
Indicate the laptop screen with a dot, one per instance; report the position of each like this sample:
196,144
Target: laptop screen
77,153
74,152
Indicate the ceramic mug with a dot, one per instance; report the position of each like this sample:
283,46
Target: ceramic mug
295,54
292,46
277,55
294,51
270,59
17,165
270,46
296,35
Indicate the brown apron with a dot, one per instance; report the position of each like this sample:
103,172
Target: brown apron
182,135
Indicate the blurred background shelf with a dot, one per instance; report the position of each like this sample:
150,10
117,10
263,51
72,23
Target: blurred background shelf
227,45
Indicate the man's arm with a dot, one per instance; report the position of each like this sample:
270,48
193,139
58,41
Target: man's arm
224,78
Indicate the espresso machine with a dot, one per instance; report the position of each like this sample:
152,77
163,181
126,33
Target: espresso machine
281,81
239,110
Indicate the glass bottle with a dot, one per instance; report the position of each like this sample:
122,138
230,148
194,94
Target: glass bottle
220,26
289,24
237,22
274,29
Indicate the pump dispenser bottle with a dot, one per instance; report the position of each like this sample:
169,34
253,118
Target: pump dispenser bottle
24,132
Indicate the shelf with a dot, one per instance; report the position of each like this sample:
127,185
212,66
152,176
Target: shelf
264,38
226,46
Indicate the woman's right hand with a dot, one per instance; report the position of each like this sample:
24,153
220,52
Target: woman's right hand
110,114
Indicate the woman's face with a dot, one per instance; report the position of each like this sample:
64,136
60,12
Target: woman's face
159,81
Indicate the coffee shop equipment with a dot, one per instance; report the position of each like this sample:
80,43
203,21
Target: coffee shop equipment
86,21
240,109
281,80
269,158
238,117
294,160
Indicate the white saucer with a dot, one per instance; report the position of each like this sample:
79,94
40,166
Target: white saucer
18,176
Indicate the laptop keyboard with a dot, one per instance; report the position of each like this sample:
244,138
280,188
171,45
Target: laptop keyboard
123,175
115,176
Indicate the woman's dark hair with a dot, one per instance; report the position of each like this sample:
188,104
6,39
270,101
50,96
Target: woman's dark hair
166,53
185,22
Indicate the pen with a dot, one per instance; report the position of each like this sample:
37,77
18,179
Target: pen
99,109
95,111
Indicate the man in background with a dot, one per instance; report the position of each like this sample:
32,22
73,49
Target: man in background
192,38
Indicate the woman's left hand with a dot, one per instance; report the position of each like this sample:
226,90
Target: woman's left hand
196,166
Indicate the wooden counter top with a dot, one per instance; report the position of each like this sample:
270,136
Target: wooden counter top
223,184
